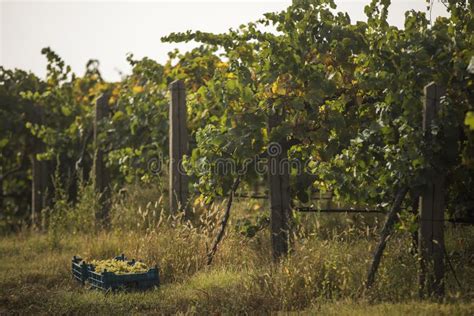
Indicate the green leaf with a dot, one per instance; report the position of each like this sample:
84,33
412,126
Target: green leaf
66,111
469,120
470,67
118,116
3,142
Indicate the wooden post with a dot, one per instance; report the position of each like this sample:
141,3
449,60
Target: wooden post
101,175
41,185
279,193
431,230
1,195
386,231
40,188
178,138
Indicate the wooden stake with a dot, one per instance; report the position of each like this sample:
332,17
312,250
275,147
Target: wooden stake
101,175
279,193
178,137
386,231
224,221
41,187
41,184
431,229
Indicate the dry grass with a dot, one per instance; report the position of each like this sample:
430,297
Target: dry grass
323,274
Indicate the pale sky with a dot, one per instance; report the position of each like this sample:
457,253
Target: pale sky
108,30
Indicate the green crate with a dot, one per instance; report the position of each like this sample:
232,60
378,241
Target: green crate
84,273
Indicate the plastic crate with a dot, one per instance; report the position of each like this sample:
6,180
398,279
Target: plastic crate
84,273
79,269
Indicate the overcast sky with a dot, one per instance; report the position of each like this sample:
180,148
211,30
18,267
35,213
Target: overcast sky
108,30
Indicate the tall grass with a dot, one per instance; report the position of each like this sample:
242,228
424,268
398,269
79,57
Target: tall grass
327,264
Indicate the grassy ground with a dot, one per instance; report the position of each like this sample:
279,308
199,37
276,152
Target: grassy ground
323,274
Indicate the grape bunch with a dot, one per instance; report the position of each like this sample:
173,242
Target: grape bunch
118,266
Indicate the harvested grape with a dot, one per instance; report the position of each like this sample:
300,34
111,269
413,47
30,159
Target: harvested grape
119,266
